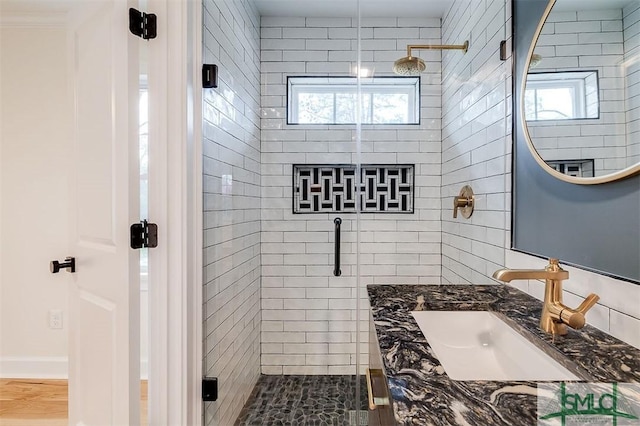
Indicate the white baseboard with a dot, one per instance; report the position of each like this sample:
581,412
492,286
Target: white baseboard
34,367
45,368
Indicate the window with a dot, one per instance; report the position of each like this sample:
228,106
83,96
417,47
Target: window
561,95
333,100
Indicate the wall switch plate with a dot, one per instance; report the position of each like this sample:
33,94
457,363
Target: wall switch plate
55,319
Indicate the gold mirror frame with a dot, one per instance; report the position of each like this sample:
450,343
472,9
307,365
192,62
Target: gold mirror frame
611,177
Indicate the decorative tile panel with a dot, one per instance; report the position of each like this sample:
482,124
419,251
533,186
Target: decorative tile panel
328,188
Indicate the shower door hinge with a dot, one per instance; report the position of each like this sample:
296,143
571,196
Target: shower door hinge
503,50
209,76
209,388
142,24
144,234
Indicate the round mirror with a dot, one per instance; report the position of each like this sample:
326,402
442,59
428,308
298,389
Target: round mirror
581,102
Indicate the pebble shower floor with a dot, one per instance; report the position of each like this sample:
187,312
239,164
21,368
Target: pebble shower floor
304,400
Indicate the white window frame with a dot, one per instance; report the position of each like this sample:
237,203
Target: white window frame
576,80
409,86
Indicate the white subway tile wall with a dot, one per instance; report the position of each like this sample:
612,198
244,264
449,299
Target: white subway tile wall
309,315
476,140
231,147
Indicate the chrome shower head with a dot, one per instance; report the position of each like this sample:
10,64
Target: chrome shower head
409,65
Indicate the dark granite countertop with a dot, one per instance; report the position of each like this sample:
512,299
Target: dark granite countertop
422,392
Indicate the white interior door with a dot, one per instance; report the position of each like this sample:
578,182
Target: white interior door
104,360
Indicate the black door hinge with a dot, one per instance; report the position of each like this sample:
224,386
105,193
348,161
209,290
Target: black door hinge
143,24
144,234
209,388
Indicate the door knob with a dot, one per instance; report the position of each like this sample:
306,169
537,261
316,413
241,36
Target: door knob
69,264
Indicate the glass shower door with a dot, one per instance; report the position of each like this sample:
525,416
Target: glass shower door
310,186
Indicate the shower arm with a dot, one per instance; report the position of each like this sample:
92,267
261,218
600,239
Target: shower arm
463,47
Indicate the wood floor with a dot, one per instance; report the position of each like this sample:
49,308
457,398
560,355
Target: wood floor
34,402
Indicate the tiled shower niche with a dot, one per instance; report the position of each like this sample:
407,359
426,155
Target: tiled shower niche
327,188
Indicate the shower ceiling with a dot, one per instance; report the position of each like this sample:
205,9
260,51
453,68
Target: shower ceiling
346,8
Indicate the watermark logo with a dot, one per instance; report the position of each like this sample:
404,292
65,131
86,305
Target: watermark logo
573,404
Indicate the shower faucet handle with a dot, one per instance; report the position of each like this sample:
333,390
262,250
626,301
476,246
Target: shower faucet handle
464,202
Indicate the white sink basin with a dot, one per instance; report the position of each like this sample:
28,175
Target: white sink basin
477,345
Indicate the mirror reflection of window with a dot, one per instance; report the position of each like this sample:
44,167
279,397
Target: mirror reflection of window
561,96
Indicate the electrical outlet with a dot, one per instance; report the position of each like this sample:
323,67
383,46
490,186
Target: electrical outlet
55,319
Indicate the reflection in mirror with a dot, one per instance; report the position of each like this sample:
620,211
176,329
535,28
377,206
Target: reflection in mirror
582,94
562,95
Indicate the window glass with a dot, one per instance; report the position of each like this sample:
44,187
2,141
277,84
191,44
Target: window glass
561,96
333,100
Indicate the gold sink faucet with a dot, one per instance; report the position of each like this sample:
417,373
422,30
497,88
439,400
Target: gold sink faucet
555,315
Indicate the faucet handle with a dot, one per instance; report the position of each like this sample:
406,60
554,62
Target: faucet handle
574,318
464,202
459,203
588,303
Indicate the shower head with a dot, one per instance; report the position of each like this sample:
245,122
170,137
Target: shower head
535,60
409,65
412,65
